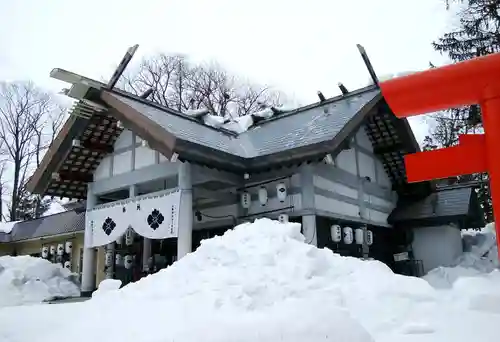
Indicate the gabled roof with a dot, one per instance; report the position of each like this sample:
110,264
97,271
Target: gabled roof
457,204
66,222
297,135
305,134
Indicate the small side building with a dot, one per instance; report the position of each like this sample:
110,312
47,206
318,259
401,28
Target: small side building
431,227
59,235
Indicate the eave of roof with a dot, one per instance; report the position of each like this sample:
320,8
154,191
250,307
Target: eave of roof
60,224
445,205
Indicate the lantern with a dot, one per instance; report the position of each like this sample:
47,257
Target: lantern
67,265
358,236
369,237
52,250
45,252
128,261
68,247
60,249
336,233
118,259
108,260
129,237
246,200
283,218
263,196
348,235
281,192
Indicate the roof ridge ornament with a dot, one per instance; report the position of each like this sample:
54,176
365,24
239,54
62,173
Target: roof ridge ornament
368,63
122,66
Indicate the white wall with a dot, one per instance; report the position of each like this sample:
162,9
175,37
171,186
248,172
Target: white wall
123,159
359,162
369,165
437,246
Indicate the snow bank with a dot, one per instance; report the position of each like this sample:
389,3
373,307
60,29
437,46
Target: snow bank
480,292
26,280
106,286
262,282
258,282
6,227
480,257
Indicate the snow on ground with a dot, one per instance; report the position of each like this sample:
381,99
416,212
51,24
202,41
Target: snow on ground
106,286
480,257
27,280
261,282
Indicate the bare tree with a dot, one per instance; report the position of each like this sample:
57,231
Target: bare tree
29,120
181,85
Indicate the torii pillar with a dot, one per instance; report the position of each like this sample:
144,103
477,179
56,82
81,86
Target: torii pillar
476,81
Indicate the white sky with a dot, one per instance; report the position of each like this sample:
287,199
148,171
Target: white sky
298,46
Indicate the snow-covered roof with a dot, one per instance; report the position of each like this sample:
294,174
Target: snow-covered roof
65,222
447,204
269,138
6,227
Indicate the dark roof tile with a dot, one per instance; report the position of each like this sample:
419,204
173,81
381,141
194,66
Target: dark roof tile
443,203
61,223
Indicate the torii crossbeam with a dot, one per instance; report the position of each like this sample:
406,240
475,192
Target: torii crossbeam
476,81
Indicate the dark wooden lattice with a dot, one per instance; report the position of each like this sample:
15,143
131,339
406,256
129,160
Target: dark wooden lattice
78,167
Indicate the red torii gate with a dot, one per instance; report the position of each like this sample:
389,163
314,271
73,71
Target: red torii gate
476,81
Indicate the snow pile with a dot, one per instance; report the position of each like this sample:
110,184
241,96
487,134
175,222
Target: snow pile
25,280
197,113
55,208
265,113
480,257
213,120
6,227
262,282
258,282
255,283
481,292
106,286
240,124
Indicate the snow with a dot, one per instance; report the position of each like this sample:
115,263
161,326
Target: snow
197,113
265,113
106,286
213,120
386,77
26,280
243,123
55,208
262,282
6,227
240,124
480,257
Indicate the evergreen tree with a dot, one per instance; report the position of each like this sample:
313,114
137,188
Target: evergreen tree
477,34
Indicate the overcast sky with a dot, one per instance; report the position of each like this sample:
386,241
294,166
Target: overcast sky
298,46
